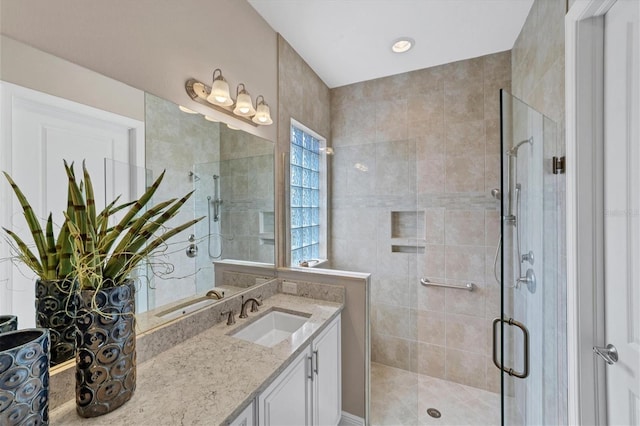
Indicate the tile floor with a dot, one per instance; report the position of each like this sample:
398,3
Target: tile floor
401,398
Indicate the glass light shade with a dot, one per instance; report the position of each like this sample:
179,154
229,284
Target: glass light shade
187,110
244,105
263,115
220,93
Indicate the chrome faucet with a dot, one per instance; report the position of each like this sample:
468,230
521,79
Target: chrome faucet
254,306
215,294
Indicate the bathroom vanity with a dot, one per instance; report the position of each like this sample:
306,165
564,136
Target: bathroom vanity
216,378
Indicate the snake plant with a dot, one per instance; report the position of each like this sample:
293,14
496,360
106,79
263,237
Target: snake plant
105,256
52,259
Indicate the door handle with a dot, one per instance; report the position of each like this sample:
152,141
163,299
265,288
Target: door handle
608,353
310,376
510,371
315,364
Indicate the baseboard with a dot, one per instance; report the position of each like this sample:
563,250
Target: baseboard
350,420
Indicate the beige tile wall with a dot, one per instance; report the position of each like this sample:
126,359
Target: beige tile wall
176,141
303,96
247,190
425,141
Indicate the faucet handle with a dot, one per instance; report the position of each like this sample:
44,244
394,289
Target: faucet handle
231,319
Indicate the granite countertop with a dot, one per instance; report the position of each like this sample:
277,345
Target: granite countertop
210,378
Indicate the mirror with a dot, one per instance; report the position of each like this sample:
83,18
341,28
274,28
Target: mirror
232,175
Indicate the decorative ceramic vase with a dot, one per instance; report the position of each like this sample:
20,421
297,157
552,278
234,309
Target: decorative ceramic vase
24,377
8,323
106,349
56,305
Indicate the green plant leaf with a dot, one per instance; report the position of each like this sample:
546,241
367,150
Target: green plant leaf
133,211
32,221
25,254
144,229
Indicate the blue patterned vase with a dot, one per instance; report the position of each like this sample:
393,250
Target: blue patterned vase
8,323
56,305
106,349
24,377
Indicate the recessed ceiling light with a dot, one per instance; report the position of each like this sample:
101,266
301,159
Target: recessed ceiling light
402,45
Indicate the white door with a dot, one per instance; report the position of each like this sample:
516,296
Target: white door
39,131
622,210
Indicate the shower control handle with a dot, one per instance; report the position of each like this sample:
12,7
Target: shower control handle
192,250
528,257
529,280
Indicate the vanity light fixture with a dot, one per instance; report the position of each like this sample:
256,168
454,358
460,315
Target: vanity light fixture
263,113
402,44
209,118
244,104
217,97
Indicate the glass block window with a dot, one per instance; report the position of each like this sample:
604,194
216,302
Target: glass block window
307,195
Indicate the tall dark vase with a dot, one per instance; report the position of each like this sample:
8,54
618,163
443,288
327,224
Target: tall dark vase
24,377
56,305
106,349
8,323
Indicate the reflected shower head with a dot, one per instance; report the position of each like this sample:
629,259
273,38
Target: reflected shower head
513,152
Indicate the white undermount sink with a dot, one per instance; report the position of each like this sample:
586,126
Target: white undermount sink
272,328
186,308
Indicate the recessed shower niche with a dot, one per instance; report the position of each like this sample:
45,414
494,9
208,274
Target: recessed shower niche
405,227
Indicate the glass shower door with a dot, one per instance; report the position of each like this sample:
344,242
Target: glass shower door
526,335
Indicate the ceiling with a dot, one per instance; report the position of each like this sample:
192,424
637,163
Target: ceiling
347,41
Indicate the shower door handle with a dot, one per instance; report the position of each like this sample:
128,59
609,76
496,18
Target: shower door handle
525,332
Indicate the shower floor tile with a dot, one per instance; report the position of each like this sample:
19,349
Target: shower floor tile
401,398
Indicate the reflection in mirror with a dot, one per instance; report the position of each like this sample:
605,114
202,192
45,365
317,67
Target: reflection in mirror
231,173
193,150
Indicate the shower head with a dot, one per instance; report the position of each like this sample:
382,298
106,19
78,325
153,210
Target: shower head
513,152
495,193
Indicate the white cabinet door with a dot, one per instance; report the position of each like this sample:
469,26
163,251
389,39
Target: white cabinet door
287,401
327,376
245,418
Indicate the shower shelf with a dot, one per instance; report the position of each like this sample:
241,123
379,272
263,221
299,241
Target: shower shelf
427,283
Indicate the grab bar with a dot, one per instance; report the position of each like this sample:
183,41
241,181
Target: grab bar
468,286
